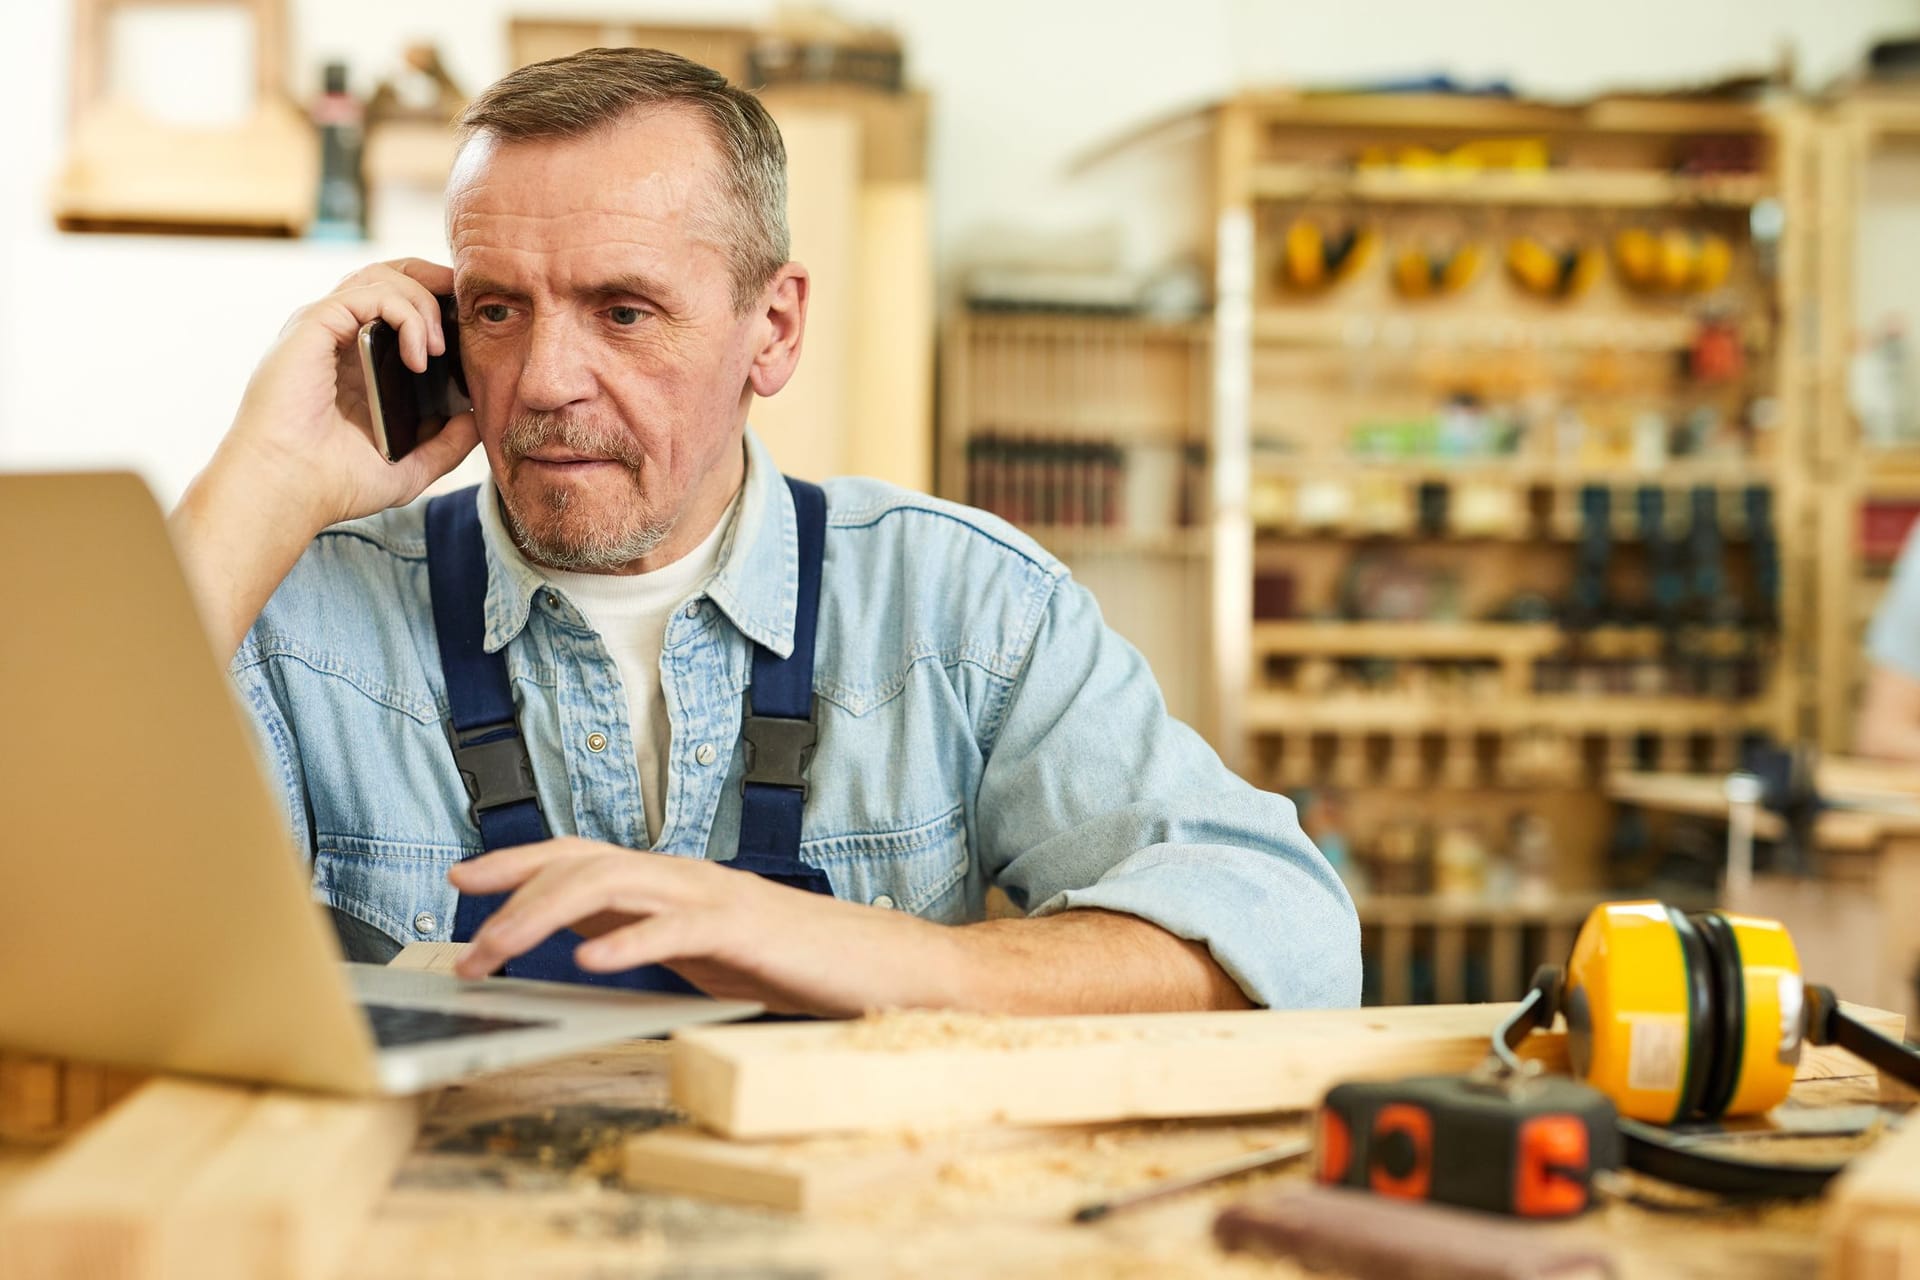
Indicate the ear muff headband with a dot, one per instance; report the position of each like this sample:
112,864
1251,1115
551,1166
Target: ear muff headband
1699,1015
1729,1020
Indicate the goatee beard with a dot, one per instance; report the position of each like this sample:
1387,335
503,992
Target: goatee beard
558,536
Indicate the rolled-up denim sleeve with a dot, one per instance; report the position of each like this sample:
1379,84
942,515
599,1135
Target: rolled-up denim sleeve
1093,796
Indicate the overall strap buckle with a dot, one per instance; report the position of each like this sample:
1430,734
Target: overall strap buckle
779,749
494,764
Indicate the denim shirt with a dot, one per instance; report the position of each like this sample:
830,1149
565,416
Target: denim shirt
979,725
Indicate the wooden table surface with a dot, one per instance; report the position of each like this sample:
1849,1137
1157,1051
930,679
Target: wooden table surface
514,1175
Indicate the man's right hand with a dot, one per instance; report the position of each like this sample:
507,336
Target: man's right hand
300,455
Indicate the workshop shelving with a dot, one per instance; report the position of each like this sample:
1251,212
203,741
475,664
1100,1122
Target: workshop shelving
1462,608
1090,432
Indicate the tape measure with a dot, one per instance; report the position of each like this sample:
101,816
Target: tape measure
1523,1146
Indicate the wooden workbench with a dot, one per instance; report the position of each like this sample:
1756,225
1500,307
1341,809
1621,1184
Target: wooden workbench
514,1175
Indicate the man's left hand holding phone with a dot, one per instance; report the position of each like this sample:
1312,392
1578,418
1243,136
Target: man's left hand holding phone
303,452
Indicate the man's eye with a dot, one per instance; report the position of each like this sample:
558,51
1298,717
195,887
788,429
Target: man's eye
625,315
494,312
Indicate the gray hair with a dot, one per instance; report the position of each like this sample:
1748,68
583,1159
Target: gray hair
595,89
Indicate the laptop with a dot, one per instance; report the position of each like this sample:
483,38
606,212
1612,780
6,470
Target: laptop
154,911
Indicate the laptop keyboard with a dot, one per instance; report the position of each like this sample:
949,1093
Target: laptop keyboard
396,1025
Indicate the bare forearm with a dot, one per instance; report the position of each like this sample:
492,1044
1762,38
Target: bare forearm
1088,962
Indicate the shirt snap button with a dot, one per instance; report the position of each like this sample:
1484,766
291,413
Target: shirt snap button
424,922
884,902
596,742
705,753
553,601
693,610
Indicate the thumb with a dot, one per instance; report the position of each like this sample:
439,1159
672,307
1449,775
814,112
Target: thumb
445,451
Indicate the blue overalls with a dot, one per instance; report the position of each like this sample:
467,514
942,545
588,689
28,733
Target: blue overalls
778,730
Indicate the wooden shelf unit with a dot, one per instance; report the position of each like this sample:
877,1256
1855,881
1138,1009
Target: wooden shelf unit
1298,375
1138,389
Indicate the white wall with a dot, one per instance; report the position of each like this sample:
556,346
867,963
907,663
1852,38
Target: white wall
134,352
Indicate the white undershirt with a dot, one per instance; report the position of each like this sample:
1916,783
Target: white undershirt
631,611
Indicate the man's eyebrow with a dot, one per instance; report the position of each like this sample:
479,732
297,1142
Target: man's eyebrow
469,286
634,285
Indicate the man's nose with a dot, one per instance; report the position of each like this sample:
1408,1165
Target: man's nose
556,373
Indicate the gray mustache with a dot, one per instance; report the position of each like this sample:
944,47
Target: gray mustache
541,430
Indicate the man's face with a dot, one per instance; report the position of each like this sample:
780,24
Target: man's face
607,363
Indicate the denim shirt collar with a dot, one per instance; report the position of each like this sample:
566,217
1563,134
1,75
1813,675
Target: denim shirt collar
756,585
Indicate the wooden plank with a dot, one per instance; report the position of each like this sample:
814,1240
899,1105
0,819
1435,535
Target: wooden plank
286,1194
806,1174
189,1179
1870,1229
433,957
933,1071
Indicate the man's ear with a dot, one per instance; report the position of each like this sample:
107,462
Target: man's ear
785,316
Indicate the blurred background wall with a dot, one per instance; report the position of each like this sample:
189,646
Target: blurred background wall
133,351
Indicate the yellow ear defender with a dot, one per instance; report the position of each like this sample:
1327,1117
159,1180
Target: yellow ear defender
1672,261
1678,1017
1313,260
1551,271
1422,272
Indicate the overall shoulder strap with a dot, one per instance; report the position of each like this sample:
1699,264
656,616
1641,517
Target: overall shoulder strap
779,727
482,728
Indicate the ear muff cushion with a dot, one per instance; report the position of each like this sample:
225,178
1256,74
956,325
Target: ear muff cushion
1729,1034
1699,1015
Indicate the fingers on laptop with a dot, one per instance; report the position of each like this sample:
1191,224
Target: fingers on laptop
554,889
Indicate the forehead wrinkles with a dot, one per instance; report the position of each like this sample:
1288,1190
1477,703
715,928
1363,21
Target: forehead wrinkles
582,177
581,243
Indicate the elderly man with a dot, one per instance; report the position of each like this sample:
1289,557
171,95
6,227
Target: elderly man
640,710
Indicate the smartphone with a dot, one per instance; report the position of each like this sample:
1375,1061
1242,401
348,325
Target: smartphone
409,407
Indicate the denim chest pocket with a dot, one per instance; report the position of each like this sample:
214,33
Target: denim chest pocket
921,869
399,887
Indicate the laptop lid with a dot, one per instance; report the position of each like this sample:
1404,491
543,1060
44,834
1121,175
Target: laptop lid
153,910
